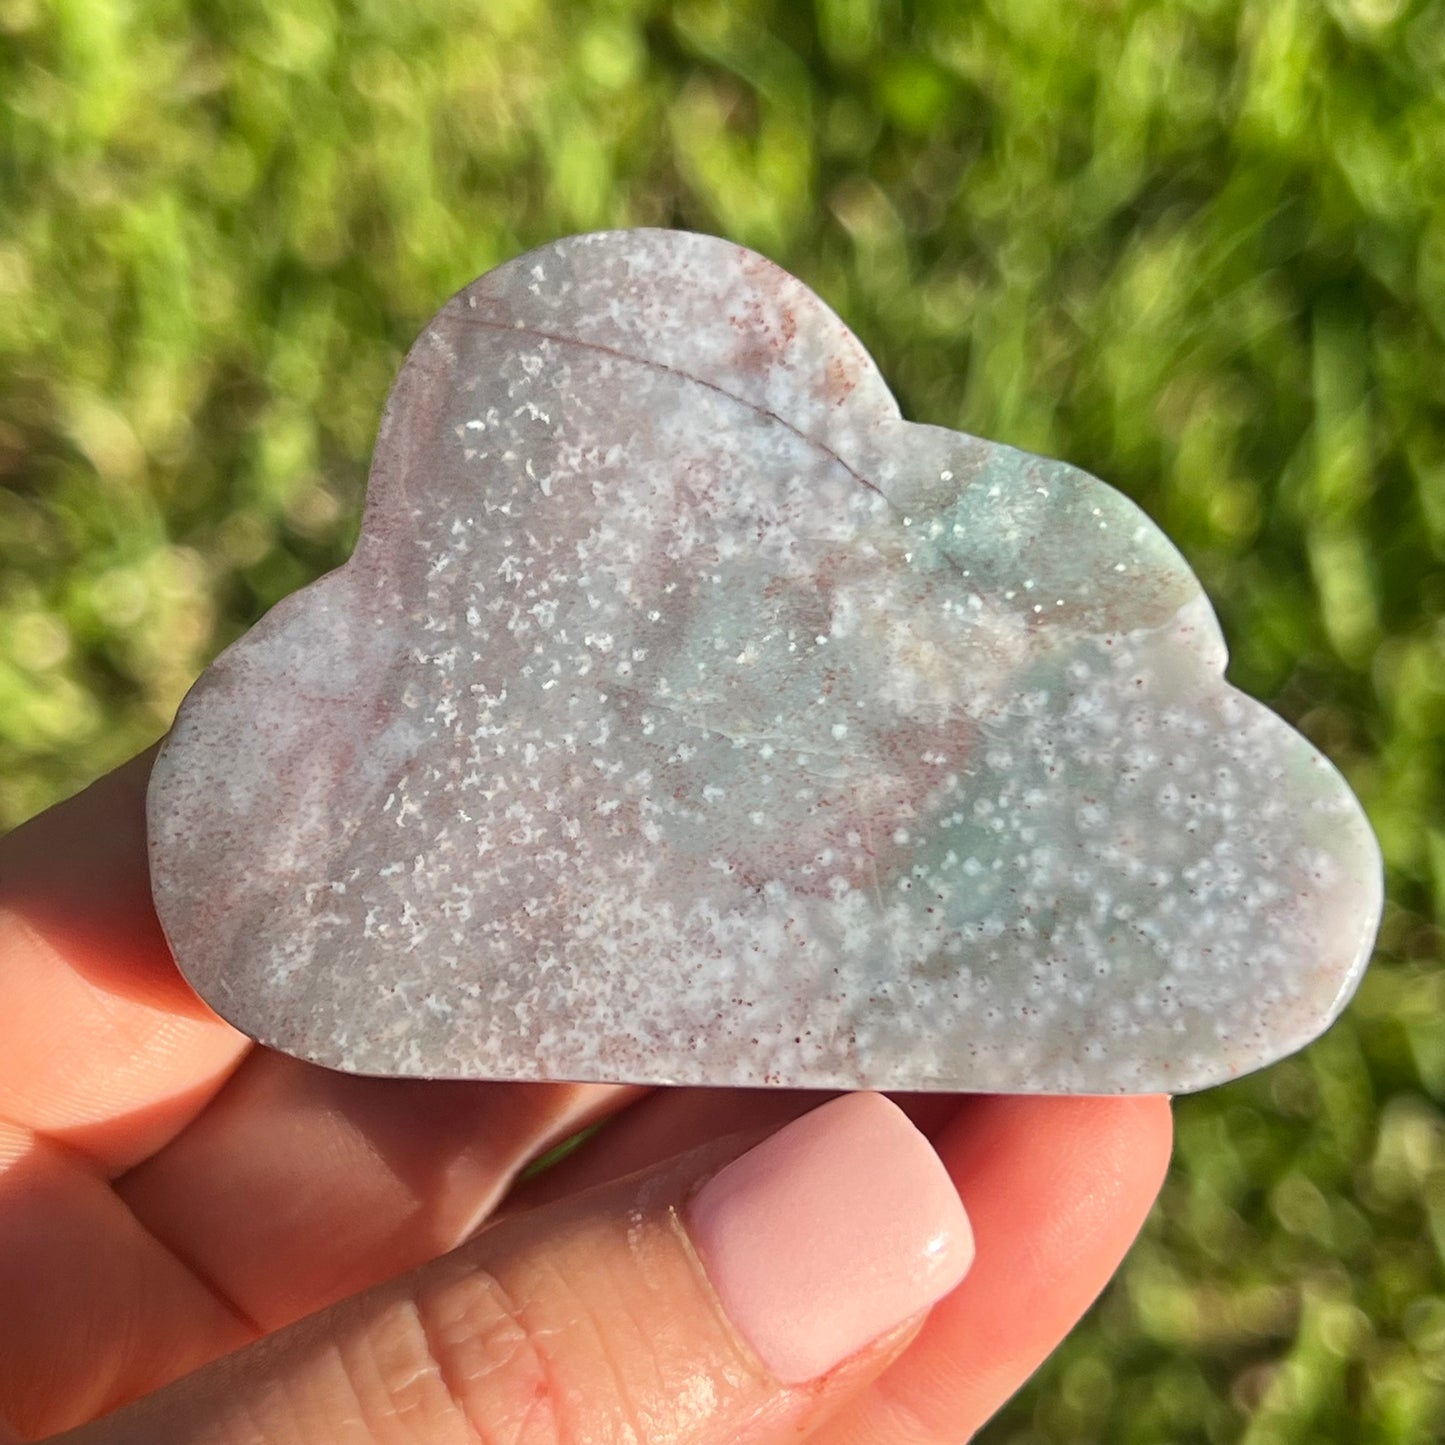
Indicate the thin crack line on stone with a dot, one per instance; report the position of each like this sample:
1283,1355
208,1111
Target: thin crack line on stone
471,319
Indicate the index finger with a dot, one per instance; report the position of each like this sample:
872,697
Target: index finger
103,1045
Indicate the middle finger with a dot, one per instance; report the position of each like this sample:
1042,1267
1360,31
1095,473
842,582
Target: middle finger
299,1186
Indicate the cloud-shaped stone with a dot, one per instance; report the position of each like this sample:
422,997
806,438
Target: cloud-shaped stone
686,716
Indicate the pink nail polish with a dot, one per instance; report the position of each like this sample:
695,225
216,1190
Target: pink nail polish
829,1233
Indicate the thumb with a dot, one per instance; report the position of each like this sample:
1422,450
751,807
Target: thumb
710,1300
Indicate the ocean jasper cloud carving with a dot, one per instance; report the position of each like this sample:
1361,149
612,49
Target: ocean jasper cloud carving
686,716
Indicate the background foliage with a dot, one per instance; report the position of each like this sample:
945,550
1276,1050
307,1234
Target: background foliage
1196,246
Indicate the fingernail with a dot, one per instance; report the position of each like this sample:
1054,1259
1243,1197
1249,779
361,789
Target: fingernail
830,1233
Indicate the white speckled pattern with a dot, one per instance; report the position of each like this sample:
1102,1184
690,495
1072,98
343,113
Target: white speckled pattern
685,716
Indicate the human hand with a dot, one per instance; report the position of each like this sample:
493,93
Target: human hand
171,1194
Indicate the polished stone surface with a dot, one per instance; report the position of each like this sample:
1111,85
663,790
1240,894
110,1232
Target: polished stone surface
686,716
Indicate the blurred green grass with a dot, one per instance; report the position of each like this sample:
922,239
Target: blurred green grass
1196,246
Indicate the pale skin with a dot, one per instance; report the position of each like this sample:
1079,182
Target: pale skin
172,1195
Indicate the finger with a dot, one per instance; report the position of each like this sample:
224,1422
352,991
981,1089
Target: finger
1057,1189
299,1186
687,1305
103,1046
671,1121
93,1310
97,1305
666,1123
